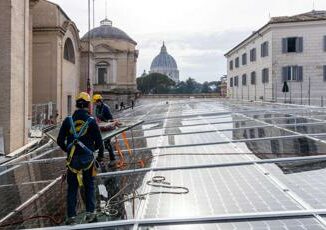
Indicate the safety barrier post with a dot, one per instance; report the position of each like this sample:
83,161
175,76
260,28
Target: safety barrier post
322,101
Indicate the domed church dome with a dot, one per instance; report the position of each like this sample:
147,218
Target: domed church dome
165,64
106,30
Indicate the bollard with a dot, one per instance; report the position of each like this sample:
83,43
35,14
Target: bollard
322,101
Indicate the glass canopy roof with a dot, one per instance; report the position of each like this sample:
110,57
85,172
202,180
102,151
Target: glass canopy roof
207,164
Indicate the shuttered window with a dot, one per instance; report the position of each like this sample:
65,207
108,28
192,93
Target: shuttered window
292,73
253,55
244,59
231,82
244,79
231,65
264,49
236,81
265,75
237,62
253,78
292,45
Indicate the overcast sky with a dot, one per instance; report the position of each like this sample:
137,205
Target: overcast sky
197,33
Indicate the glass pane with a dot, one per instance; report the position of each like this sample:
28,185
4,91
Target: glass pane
215,191
102,72
306,179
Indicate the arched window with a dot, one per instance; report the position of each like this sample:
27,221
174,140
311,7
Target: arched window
102,70
69,52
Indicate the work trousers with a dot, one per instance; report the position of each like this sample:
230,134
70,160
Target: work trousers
110,149
89,190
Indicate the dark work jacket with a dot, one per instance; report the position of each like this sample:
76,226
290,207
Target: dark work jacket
91,138
103,112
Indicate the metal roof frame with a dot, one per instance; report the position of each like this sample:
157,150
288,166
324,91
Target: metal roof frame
198,220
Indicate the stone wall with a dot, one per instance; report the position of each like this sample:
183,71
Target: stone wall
14,72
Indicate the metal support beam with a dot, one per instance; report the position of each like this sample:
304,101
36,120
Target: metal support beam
219,165
245,217
223,142
230,129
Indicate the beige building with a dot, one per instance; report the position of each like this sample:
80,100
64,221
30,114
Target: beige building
288,49
15,28
56,58
113,63
44,62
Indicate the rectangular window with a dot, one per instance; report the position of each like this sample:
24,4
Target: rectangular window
325,43
261,133
69,105
292,73
292,45
265,75
237,62
231,65
324,72
253,78
231,82
244,79
102,73
253,55
236,81
244,59
264,49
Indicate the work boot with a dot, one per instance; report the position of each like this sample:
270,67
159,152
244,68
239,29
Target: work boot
71,221
91,217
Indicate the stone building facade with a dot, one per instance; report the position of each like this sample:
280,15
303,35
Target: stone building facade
56,58
287,49
113,63
14,71
44,61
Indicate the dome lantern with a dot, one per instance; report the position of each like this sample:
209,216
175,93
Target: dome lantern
106,22
108,31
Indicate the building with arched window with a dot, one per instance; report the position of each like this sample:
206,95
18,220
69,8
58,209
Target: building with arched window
113,63
56,58
44,65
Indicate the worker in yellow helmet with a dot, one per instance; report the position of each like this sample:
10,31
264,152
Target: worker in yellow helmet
80,137
103,114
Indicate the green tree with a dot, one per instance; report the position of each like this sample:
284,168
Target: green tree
155,83
205,87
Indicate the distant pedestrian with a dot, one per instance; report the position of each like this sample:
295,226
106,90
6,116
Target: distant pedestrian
122,106
132,104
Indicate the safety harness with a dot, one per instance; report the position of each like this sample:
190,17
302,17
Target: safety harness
72,147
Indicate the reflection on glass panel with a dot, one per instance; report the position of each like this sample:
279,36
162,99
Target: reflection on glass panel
306,179
218,191
308,129
292,147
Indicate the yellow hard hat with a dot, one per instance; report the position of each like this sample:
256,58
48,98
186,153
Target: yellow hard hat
97,97
84,96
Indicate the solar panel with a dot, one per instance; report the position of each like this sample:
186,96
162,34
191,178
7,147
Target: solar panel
219,151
